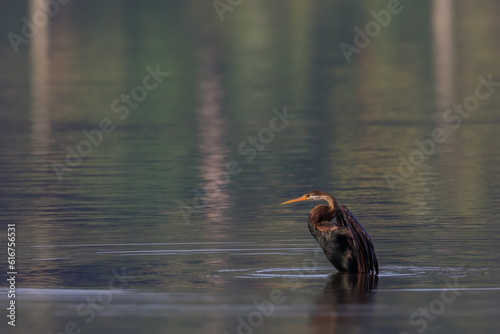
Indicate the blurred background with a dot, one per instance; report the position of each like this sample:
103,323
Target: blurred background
109,163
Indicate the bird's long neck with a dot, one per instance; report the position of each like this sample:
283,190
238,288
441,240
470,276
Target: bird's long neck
332,203
324,213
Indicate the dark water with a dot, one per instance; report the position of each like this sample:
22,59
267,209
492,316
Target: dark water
164,217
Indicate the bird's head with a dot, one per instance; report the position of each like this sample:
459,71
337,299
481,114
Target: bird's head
314,195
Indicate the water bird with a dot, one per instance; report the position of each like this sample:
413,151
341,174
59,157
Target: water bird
346,244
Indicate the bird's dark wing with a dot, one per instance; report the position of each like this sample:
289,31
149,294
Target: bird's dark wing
363,245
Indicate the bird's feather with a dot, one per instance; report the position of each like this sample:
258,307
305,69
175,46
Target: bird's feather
363,244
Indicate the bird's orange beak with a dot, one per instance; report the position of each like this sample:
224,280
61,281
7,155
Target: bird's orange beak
303,198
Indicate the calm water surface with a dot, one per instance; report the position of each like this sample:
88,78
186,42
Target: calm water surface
122,239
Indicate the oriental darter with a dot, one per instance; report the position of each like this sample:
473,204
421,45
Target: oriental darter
345,242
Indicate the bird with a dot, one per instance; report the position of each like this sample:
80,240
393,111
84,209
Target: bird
345,242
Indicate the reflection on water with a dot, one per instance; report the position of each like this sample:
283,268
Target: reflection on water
39,61
323,303
343,302
442,23
213,152
119,207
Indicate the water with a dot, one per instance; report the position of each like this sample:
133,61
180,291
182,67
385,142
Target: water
120,239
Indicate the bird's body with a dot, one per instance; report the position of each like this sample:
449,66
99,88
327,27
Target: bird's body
345,242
